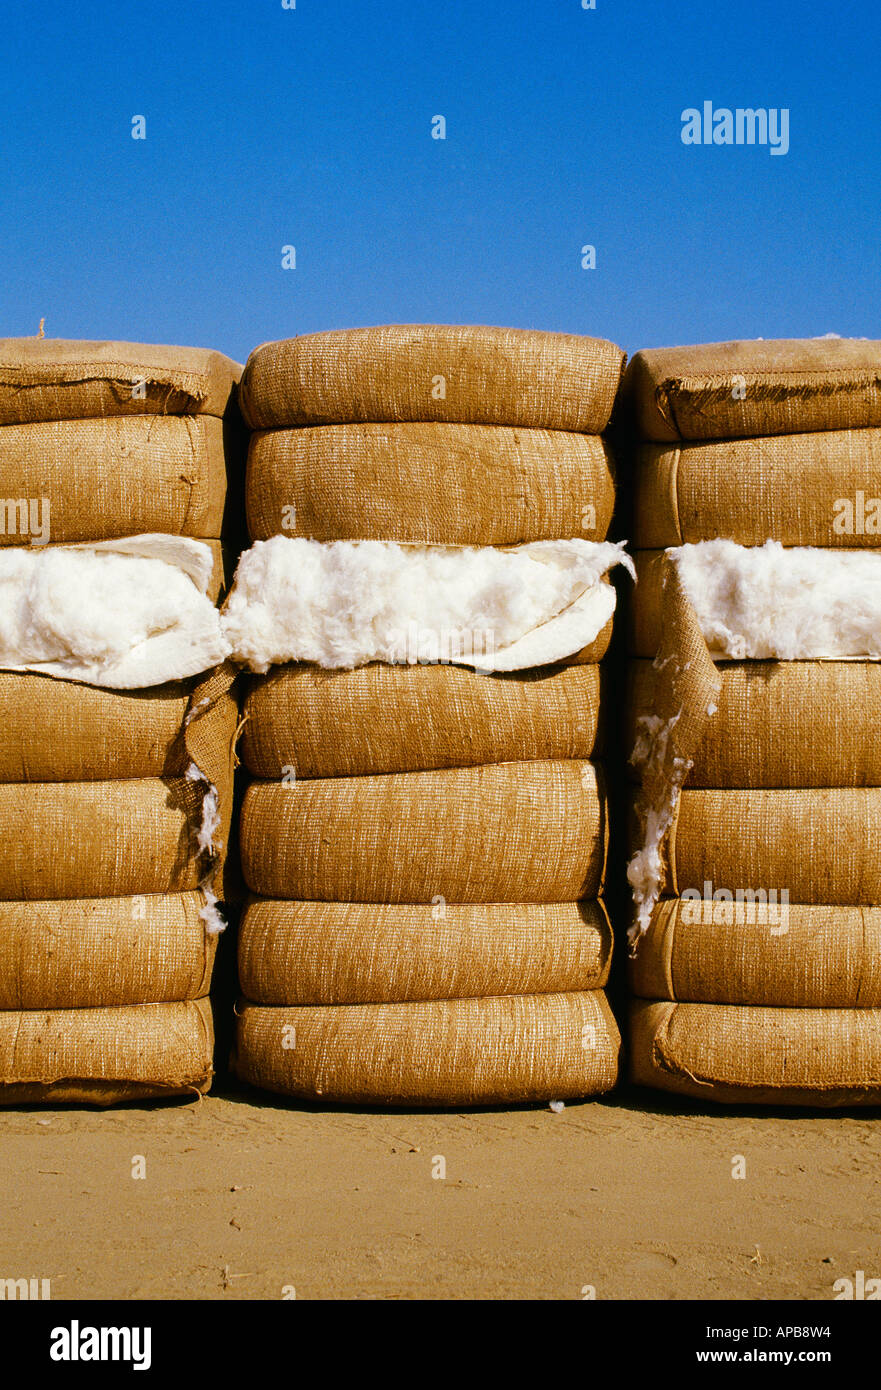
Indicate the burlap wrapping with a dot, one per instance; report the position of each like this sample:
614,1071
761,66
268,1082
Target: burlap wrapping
409,718
740,389
789,487
820,844
436,1053
59,731
56,731
102,952
798,956
224,564
682,700
361,953
644,622
116,476
817,843
95,839
105,1056
653,604
59,379
466,374
209,738
98,839
434,484
719,1052
781,724
209,732
509,832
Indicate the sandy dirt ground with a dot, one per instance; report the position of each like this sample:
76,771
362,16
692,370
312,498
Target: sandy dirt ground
246,1196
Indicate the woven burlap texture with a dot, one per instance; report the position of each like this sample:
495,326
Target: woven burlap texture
296,953
738,390
464,374
797,955
379,718
118,476
781,724
107,1055
438,1053
791,487
62,379
719,1052
509,832
429,483
104,952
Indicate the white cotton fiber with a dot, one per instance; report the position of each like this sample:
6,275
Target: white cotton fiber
182,552
790,604
645,871
210,822
210,913
123,614
345,603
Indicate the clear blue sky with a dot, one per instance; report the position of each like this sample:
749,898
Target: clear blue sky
312,127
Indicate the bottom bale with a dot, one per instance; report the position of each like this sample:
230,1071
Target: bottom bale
501,1050
105,1056
741,1054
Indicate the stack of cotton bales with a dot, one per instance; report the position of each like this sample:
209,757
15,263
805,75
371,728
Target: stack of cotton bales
116,719
426,843
757,879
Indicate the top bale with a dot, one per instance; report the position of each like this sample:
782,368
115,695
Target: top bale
465,374
740,389
61,379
